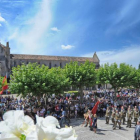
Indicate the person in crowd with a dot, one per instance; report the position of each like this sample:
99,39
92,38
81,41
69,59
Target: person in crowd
107,115
137,131
129,117
136,115
117,119
94,124
63,118
113,116
88,118
123,115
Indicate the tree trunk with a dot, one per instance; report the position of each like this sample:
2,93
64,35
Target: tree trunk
105,87
115,89
38,98
81,94
45,99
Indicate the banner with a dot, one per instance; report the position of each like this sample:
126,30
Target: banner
4,85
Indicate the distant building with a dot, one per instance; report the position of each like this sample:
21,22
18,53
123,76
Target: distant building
7,60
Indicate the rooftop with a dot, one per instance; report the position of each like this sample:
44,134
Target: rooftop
46,57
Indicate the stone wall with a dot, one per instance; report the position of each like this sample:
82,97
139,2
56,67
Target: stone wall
4,59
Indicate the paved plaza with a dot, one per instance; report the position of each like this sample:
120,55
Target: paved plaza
104,131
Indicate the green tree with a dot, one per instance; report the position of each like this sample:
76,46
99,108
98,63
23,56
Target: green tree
38,80
81,75
117,76
58,82
102,74
135,78
125,77
139,66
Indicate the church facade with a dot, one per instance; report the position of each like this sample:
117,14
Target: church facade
8,60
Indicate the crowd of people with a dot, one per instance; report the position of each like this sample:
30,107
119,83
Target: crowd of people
63,107
120,107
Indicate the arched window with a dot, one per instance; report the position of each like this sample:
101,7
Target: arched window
55,65
50,65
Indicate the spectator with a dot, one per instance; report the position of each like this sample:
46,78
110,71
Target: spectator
63,117
137,131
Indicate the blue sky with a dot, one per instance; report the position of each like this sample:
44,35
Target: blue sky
73,28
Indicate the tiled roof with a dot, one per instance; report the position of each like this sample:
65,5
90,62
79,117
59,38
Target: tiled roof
45,57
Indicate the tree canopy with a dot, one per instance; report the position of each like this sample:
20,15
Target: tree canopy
135,78
81,75
117,76
38,80
139,66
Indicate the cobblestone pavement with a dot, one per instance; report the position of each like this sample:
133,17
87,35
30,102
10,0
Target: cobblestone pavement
104,131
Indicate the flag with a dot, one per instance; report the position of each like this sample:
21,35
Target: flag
4,83
94,109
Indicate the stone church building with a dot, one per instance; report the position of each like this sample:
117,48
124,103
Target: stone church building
8,60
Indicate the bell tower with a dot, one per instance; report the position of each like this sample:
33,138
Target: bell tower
96,60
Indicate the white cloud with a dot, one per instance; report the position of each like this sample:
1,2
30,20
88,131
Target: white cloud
66,47
1,18
129,55
29,40
55,29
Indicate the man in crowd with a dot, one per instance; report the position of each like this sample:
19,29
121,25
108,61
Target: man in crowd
63,118
113,116
137,131
117,119
129,117
136,115
123,115
107,115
